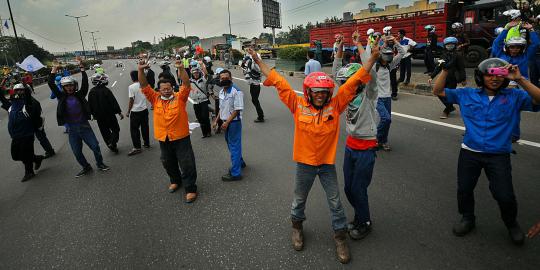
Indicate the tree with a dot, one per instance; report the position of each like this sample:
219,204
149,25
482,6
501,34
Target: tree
266,36
8,48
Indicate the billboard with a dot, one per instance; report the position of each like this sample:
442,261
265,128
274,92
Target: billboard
271,14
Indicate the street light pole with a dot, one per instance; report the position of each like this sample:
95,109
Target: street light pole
185,36
229,10
14,29
80,34
94,40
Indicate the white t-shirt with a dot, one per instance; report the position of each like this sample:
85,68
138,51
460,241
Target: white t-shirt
230,102
139,100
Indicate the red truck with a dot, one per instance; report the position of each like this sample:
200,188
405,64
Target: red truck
479,19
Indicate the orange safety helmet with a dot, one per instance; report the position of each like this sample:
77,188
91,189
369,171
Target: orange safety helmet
318,80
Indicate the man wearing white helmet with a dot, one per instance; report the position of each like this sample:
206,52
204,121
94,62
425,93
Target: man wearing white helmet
73,109
431,48
24,118
104,107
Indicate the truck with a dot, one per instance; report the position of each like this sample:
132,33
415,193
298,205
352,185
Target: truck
479,19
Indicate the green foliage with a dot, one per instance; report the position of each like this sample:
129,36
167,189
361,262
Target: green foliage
28,47
294,53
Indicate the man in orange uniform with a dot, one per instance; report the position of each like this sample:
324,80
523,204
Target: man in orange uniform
316,119
171,129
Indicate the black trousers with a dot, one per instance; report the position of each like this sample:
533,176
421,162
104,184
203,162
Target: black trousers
43,140
109,129
393,82
448,107
22,149
255,91
138,125
175,153
429,60
203,116
498,170
405,69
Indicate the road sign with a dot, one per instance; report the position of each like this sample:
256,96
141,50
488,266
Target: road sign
271,14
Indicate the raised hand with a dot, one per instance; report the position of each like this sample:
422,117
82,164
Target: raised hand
513,72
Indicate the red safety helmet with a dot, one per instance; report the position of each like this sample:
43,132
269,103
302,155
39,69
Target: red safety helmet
318,80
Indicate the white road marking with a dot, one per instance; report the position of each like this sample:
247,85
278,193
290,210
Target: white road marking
190,100
521,142
120,73
114,83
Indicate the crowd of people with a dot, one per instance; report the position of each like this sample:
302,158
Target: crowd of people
366,88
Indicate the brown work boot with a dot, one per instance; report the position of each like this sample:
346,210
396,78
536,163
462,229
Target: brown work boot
342,248
297,235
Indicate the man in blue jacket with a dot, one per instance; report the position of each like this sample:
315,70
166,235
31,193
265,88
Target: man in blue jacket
489,113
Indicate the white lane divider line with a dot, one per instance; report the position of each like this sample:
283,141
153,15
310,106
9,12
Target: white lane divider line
521,142
114,83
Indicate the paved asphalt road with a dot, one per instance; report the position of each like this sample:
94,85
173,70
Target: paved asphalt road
125,219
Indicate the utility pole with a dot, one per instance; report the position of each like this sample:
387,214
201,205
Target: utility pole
94,41
14,30
80,34
229,10
185,36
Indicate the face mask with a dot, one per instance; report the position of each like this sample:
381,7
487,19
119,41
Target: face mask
167,98
387,57
225,83
17,96
450,47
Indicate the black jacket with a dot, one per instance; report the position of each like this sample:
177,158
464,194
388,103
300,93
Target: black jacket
24,121
151,78
102,103
80,95
432,42
456,72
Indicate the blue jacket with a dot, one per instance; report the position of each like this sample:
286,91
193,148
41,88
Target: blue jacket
522,60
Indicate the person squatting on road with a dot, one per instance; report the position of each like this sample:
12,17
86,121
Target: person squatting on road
104,107
24,118
316,119
231,105
171,129
137,113
455,63
386,63
73,109
361,125
489,113
252,73
199,96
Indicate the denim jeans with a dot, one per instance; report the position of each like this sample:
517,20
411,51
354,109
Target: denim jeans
498,170
384,108
358,171
179,153
83,132
305,176
233,137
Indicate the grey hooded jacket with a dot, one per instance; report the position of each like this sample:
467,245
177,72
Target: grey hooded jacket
361,116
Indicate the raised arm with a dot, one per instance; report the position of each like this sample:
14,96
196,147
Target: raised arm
52,84
440,81
498,44
338,59
84,84
515,75
182,74
146,89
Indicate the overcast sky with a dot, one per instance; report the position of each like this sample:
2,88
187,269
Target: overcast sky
120,22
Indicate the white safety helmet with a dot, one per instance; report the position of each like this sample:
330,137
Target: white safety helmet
370,31
99,79
97,65
207,59
19,86
513,13
430,27
219,70
386,30
516,41
457,25
68,80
